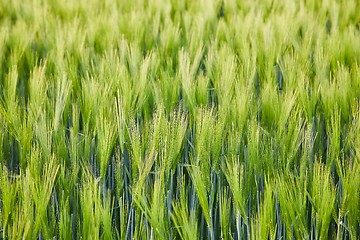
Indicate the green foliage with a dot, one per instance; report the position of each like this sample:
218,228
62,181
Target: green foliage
215,119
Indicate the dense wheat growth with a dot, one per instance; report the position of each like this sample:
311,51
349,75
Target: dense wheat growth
154,119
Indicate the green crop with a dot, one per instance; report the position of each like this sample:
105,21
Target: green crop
153,119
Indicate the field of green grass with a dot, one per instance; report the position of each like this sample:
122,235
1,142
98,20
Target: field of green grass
154,119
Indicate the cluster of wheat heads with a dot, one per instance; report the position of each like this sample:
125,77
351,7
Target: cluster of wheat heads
154,119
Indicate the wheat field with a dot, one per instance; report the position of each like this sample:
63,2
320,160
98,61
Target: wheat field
154,119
